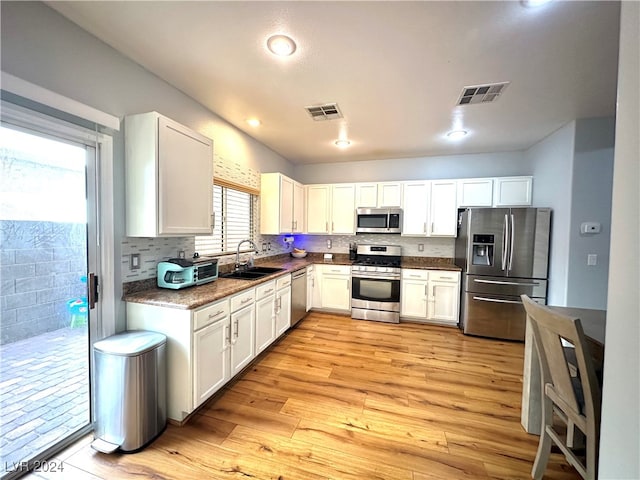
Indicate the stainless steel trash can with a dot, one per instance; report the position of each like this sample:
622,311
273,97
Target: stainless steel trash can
131,390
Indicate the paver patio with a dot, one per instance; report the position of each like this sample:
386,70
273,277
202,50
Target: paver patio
44,392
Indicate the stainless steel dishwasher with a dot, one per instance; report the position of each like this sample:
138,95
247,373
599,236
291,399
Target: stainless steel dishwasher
298,295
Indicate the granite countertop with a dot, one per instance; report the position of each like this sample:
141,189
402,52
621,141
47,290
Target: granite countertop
198,296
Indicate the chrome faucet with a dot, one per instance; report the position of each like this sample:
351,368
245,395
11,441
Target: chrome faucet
255,249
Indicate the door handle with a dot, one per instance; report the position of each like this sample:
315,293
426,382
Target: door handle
92,290
512,243
503,282
505,234
496,300
227,335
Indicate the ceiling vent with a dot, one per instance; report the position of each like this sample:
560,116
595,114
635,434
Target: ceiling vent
481,93
328,111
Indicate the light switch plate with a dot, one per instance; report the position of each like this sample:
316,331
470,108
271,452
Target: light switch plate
134,261
592,259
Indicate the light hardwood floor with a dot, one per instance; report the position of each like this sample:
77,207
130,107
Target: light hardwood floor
338,398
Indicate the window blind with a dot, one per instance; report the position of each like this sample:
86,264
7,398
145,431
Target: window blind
233,211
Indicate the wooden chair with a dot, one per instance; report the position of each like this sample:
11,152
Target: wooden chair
575,399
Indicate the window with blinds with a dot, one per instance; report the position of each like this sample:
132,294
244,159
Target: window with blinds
233,211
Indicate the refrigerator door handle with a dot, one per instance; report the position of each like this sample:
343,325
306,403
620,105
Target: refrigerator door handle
502,282
495,300
512,240
505,234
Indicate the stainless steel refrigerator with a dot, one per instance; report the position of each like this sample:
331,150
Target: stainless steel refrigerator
503,253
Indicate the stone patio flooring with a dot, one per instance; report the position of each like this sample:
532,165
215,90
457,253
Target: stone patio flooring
44,392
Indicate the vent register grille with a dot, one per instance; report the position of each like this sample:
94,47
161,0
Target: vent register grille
481,93
328,111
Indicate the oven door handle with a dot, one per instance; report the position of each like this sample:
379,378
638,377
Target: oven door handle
375,277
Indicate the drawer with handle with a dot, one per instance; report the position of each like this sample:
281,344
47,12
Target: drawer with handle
414,274
265,290
243,299
210,314
444,276
283,281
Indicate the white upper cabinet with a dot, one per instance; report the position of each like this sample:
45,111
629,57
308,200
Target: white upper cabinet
343,211
429,209
169,178
331,209
475,192
281,204
512,191
366,195
415,210
372,195
318,204
443,210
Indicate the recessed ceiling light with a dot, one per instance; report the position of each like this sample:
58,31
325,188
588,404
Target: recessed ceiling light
342,143
254,122
281,45
534,3
457,134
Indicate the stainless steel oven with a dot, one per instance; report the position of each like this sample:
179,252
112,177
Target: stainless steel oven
375,283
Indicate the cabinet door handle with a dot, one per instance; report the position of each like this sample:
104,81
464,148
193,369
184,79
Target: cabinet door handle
424,229
235,334
268,291
433,227
333,226
213,221
214,315
242,302
326,227
227,336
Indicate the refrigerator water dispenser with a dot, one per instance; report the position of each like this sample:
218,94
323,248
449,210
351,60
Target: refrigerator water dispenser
482,250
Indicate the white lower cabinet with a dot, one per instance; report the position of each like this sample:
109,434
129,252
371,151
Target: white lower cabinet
208,346
335,287
413,294
430,296
211,360
444,297
310,287
243,324
265,315
283,310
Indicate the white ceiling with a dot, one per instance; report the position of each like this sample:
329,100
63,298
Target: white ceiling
396,69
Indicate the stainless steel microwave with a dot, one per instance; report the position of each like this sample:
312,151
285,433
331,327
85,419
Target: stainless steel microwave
378,220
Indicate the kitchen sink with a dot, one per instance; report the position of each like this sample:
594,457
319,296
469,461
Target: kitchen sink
252,273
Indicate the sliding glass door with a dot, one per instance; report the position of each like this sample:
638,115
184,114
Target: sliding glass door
48,255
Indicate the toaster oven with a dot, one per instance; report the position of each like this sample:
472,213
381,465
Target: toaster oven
177,273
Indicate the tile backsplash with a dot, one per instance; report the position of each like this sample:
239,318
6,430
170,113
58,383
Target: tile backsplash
154,250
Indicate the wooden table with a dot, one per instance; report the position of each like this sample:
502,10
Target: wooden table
593,324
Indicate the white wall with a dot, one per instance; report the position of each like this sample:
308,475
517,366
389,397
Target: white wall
620,435
44,48
423,168
552,158
591,202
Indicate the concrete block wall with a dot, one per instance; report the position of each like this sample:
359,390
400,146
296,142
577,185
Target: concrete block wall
41,269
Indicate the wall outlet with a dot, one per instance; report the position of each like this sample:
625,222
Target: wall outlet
181,254
329,243
134,261
269,246
590,227
421,247
264,247
592,259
